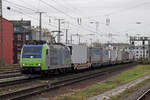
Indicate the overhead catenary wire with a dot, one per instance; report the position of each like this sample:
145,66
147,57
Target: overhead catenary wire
50,6
28,15
78,10
19,7
129,8
75,9
27,4
87,29
58,10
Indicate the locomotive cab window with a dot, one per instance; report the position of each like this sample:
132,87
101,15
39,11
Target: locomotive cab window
47,52
34,51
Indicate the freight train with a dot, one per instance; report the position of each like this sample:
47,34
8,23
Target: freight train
48,58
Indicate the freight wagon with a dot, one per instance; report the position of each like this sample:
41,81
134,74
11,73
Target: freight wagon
125,56
131,56
105,57
119,57
113,56
95,56
79,56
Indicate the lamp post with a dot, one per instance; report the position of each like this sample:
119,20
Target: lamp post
96,32
97,25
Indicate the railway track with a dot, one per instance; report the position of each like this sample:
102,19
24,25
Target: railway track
50,85
16,80
9,71
9,68
9,75
145,95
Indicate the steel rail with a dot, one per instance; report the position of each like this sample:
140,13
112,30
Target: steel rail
143,96
3,76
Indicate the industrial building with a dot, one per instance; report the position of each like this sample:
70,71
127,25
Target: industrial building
6,41
21,33
137,50
140,53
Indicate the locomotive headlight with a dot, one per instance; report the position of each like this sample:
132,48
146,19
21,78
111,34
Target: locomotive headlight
39,64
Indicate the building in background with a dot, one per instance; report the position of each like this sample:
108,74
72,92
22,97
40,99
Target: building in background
120,46
137,50
44,36
6,35
139,53
21,33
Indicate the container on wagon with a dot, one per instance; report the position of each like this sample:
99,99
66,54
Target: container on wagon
79,56
105,58
125,56
96,55
119,56
131,56
113,56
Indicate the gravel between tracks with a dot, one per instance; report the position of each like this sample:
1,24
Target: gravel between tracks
50,95
20,86
12,79
9,75
10,71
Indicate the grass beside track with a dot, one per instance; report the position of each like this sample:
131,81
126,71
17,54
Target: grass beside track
108,84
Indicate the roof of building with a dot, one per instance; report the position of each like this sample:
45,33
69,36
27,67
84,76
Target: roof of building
5,19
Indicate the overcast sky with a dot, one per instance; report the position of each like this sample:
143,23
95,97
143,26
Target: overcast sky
123,15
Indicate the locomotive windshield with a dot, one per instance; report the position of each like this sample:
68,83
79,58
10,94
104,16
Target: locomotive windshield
35,52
